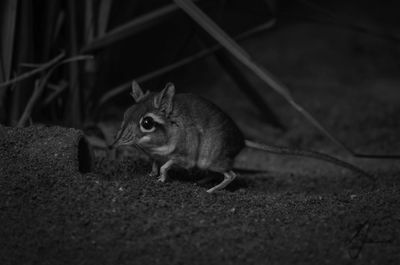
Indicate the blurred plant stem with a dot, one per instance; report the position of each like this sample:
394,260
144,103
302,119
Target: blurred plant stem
8,19
24,51
39,87
73,114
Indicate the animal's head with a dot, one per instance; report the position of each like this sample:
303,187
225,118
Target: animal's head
146,123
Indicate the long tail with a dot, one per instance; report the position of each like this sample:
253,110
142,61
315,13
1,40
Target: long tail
306,153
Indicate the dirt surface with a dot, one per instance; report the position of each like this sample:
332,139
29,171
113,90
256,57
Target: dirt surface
118,215
298,212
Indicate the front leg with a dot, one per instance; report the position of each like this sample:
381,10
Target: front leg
154,169
164,170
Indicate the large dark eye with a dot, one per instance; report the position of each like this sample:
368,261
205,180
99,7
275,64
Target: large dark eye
147,124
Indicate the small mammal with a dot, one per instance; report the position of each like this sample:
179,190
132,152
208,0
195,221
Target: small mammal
188,131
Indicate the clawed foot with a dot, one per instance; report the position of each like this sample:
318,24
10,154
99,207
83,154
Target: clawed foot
228,178
154,170
162,178
163,171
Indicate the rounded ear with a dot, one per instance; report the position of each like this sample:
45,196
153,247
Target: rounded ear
164,99
137,92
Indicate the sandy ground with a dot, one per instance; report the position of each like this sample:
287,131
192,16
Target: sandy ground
300,211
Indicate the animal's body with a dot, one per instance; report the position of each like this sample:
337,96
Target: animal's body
188,131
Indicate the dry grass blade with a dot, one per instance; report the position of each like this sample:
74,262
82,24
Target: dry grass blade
89,21
132,27
104,13
78,58
40,88
44,67
73,113
8,18
58,24
228,43
31,65
124,87
8,22
39,85
57,91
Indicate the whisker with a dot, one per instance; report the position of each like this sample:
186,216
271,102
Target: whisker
140,148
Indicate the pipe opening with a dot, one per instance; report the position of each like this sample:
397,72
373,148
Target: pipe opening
85,156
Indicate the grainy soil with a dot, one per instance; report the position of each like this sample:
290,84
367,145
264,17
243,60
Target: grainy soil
296,212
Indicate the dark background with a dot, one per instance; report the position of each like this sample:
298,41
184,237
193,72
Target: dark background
36,31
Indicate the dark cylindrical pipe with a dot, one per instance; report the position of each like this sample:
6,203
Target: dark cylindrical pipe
45,149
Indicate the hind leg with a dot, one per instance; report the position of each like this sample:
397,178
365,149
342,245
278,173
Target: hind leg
229,176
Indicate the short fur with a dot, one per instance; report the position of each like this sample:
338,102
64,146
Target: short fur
194,133
191,132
